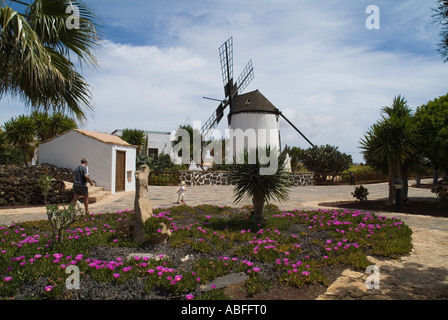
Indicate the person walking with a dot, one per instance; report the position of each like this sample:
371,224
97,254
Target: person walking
181,192
80,188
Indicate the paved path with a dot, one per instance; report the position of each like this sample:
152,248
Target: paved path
423,274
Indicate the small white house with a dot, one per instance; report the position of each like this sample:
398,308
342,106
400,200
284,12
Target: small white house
156,142
111,159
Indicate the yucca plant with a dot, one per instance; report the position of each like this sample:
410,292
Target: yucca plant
250,182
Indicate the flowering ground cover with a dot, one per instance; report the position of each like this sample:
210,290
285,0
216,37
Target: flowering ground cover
291,248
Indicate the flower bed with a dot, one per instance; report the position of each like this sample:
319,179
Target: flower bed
292,248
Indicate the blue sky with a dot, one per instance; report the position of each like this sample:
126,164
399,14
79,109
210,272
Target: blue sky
314,60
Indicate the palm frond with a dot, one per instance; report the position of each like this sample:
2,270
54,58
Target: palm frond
35,49
248,180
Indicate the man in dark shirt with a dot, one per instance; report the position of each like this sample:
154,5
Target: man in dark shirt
80,184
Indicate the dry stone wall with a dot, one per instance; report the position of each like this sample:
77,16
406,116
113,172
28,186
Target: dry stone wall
302,179
18,185
199,178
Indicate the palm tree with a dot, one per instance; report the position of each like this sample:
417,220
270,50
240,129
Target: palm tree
49,126
403,112
390,142
20,133
135,137
35,49
250,184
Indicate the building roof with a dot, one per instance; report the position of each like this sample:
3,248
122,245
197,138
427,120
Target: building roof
252,102
144,131
103,137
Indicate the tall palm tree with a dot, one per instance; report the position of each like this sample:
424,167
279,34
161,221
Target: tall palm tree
390,142
403,112
35,50
20,133
250,184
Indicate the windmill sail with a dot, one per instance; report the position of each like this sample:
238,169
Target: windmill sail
231,89
226,60
244,79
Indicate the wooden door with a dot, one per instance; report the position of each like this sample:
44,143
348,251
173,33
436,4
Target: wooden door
120,171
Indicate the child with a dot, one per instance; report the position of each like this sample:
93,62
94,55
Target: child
181,192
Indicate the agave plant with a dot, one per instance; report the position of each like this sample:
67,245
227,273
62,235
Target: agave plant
250,182
35,49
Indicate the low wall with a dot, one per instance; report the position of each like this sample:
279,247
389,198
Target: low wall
199,178
18,185
302,178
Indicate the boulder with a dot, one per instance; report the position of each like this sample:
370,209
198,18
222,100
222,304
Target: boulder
133,228
142,203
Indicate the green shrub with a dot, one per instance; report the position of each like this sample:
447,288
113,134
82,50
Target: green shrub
61,218
442,194
44,183
360,193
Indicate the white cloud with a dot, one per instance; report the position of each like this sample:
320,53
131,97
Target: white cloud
315,61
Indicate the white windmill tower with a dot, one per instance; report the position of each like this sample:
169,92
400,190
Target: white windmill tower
249,112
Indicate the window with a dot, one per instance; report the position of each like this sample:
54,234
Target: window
153,152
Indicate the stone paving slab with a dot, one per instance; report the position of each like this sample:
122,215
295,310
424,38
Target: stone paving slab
224,281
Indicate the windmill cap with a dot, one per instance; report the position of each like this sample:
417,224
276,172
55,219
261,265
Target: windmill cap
252,102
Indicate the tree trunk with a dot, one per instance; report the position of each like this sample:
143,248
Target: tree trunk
25,158
404,179
258,202
418,181
391,185
436,177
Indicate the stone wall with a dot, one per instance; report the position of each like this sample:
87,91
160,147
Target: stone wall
198,178
302,178
18,185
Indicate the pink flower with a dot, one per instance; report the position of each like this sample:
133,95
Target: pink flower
256,269
48,288
306,273
213,286
116,275
7,279
151,271
178,278
189,296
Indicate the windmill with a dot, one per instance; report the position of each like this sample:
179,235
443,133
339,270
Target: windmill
249,110
231,89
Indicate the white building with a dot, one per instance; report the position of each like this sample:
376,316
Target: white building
156,142
111,159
